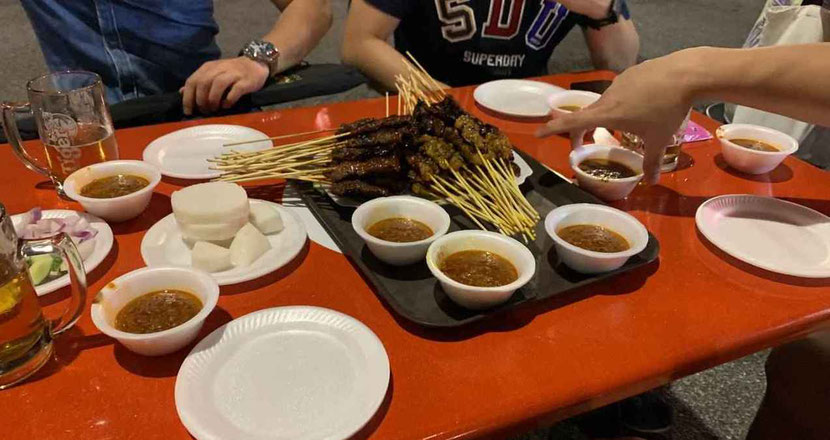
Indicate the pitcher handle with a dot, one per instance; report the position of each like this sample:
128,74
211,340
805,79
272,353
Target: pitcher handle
13,135
77,276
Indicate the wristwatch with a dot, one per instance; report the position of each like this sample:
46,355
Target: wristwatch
616,9
264,52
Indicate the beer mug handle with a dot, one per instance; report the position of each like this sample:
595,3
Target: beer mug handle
13,135
63,244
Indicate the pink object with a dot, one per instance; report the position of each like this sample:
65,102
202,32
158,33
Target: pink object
695,132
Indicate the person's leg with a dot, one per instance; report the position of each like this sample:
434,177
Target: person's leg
797,400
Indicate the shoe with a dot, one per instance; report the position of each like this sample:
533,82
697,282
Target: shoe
648,413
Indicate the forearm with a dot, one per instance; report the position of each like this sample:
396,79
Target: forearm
788,80
302,25
614,47
376,59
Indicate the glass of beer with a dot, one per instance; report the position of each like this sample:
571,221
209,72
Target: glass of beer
25,335
73,122
669,163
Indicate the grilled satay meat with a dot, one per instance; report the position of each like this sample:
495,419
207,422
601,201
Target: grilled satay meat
422,168
367,125
386,136
373,167
370,187
485,137
441,152
358,189
344,154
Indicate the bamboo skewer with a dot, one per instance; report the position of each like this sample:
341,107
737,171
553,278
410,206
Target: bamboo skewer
284,136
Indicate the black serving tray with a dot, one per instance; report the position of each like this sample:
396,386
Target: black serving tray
415,294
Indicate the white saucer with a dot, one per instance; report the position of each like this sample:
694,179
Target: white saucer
103,245
516,97
162,245
284,373
524,172
769,233
184,153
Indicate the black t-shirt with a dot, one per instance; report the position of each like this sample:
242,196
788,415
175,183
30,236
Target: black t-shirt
464,42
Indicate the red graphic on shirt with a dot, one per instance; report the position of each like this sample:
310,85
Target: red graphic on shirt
504,19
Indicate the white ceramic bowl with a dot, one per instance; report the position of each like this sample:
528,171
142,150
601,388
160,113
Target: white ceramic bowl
473,297
752,161
400,254
607,189
116,209
579,98
123,289
583,260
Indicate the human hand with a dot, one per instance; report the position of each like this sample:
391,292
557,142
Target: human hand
596,9
649,100
206,87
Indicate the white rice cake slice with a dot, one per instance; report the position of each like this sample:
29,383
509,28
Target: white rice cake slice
212,231
212,202
248,245
266,218
210,257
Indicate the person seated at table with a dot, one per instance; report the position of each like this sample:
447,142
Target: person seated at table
462,43
151,47
652,99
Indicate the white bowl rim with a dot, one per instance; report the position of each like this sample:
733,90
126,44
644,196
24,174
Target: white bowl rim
211,296
428,204
719,133
567,209
601,147
74,195
456,235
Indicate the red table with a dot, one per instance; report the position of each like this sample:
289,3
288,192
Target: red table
692,309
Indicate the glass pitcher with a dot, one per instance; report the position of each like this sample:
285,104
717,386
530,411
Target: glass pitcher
25,335
73,122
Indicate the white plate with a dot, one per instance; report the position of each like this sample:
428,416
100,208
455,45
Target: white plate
163,245
184,153
772,234
524,172
283,373
103,244
516,97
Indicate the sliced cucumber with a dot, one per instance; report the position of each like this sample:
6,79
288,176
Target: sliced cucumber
40,268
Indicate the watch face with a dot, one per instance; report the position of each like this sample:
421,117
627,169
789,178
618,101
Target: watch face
261,50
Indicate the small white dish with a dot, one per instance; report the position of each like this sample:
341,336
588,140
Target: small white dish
769,233
753,161
583,260
524,172
117,293
296,372
516,97
163,245
607,189
578,98
472,297
415,208
103,244
116,209
184,153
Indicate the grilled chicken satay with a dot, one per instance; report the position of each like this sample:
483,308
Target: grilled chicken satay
345,154
366,125
372,167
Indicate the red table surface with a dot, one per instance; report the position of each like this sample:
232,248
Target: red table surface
692,309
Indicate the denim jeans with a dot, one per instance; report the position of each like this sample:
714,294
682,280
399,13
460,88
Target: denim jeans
139,47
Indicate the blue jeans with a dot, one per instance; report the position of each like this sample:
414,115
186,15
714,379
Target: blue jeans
139,47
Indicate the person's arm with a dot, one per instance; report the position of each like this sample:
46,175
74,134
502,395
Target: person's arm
301,25
366,46
652,99
613,47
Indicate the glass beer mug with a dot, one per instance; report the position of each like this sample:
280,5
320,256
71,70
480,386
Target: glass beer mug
73,122
25,335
